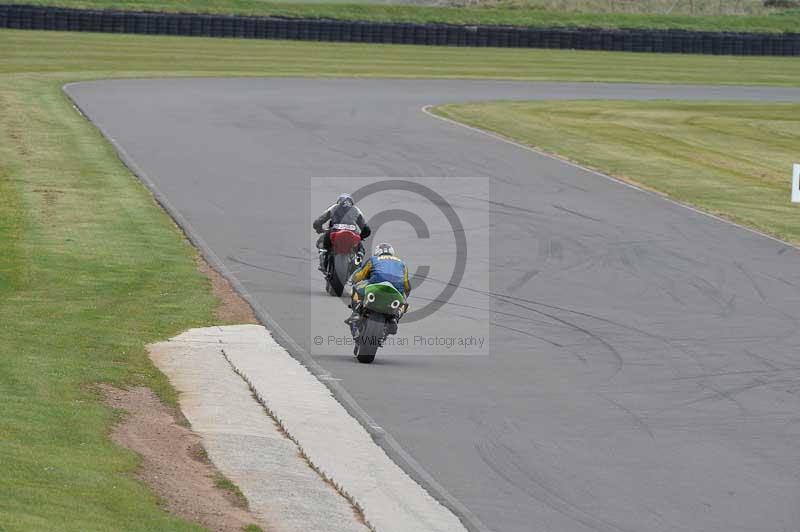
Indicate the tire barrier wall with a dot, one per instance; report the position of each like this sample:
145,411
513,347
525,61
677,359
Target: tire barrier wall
663,41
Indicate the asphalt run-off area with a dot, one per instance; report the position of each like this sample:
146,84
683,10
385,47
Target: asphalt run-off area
585,355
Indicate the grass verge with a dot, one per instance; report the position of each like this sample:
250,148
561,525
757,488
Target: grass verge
56,57
733,159
223,483
91,270
501,14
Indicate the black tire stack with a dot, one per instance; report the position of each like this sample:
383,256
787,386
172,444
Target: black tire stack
660,41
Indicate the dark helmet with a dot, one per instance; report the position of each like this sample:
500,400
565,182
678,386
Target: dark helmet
384,249
345,200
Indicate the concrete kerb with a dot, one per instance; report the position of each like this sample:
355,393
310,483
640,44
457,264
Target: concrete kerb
333,441
338,487
244,443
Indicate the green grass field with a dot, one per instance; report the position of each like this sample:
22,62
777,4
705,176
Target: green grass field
55,58
731,159
90,273
533,13
91,270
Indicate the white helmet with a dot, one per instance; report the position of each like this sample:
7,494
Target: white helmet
384,249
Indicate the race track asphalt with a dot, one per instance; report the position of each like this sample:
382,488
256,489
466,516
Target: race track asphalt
641,368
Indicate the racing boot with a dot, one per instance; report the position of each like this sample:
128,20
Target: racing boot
360,252
323,255
391,326
354,318
352,321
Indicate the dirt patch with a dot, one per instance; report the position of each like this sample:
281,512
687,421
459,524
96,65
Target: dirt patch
50,195
16,138
174,464
13,129
232,308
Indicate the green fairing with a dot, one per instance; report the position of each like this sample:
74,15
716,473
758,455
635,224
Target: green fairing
385,294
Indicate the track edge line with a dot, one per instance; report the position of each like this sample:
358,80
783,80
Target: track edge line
427,110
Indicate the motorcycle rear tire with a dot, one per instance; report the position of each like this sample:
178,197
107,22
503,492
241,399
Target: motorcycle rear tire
338,277
369,341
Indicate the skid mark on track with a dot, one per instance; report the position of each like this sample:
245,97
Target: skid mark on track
638,421
576,213
673,343
258,267
526,333
729,394
752,280
762,360
506,464
618,360
525,277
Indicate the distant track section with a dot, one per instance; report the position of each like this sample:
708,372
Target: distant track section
660,41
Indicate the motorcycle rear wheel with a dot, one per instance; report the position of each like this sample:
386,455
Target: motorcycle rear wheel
368,342
338,276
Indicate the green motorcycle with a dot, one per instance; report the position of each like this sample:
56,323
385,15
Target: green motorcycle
379,311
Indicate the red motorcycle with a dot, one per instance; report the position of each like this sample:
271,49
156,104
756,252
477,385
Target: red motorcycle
345,255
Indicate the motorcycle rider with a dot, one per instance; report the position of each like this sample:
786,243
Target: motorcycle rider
383,266
343,212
